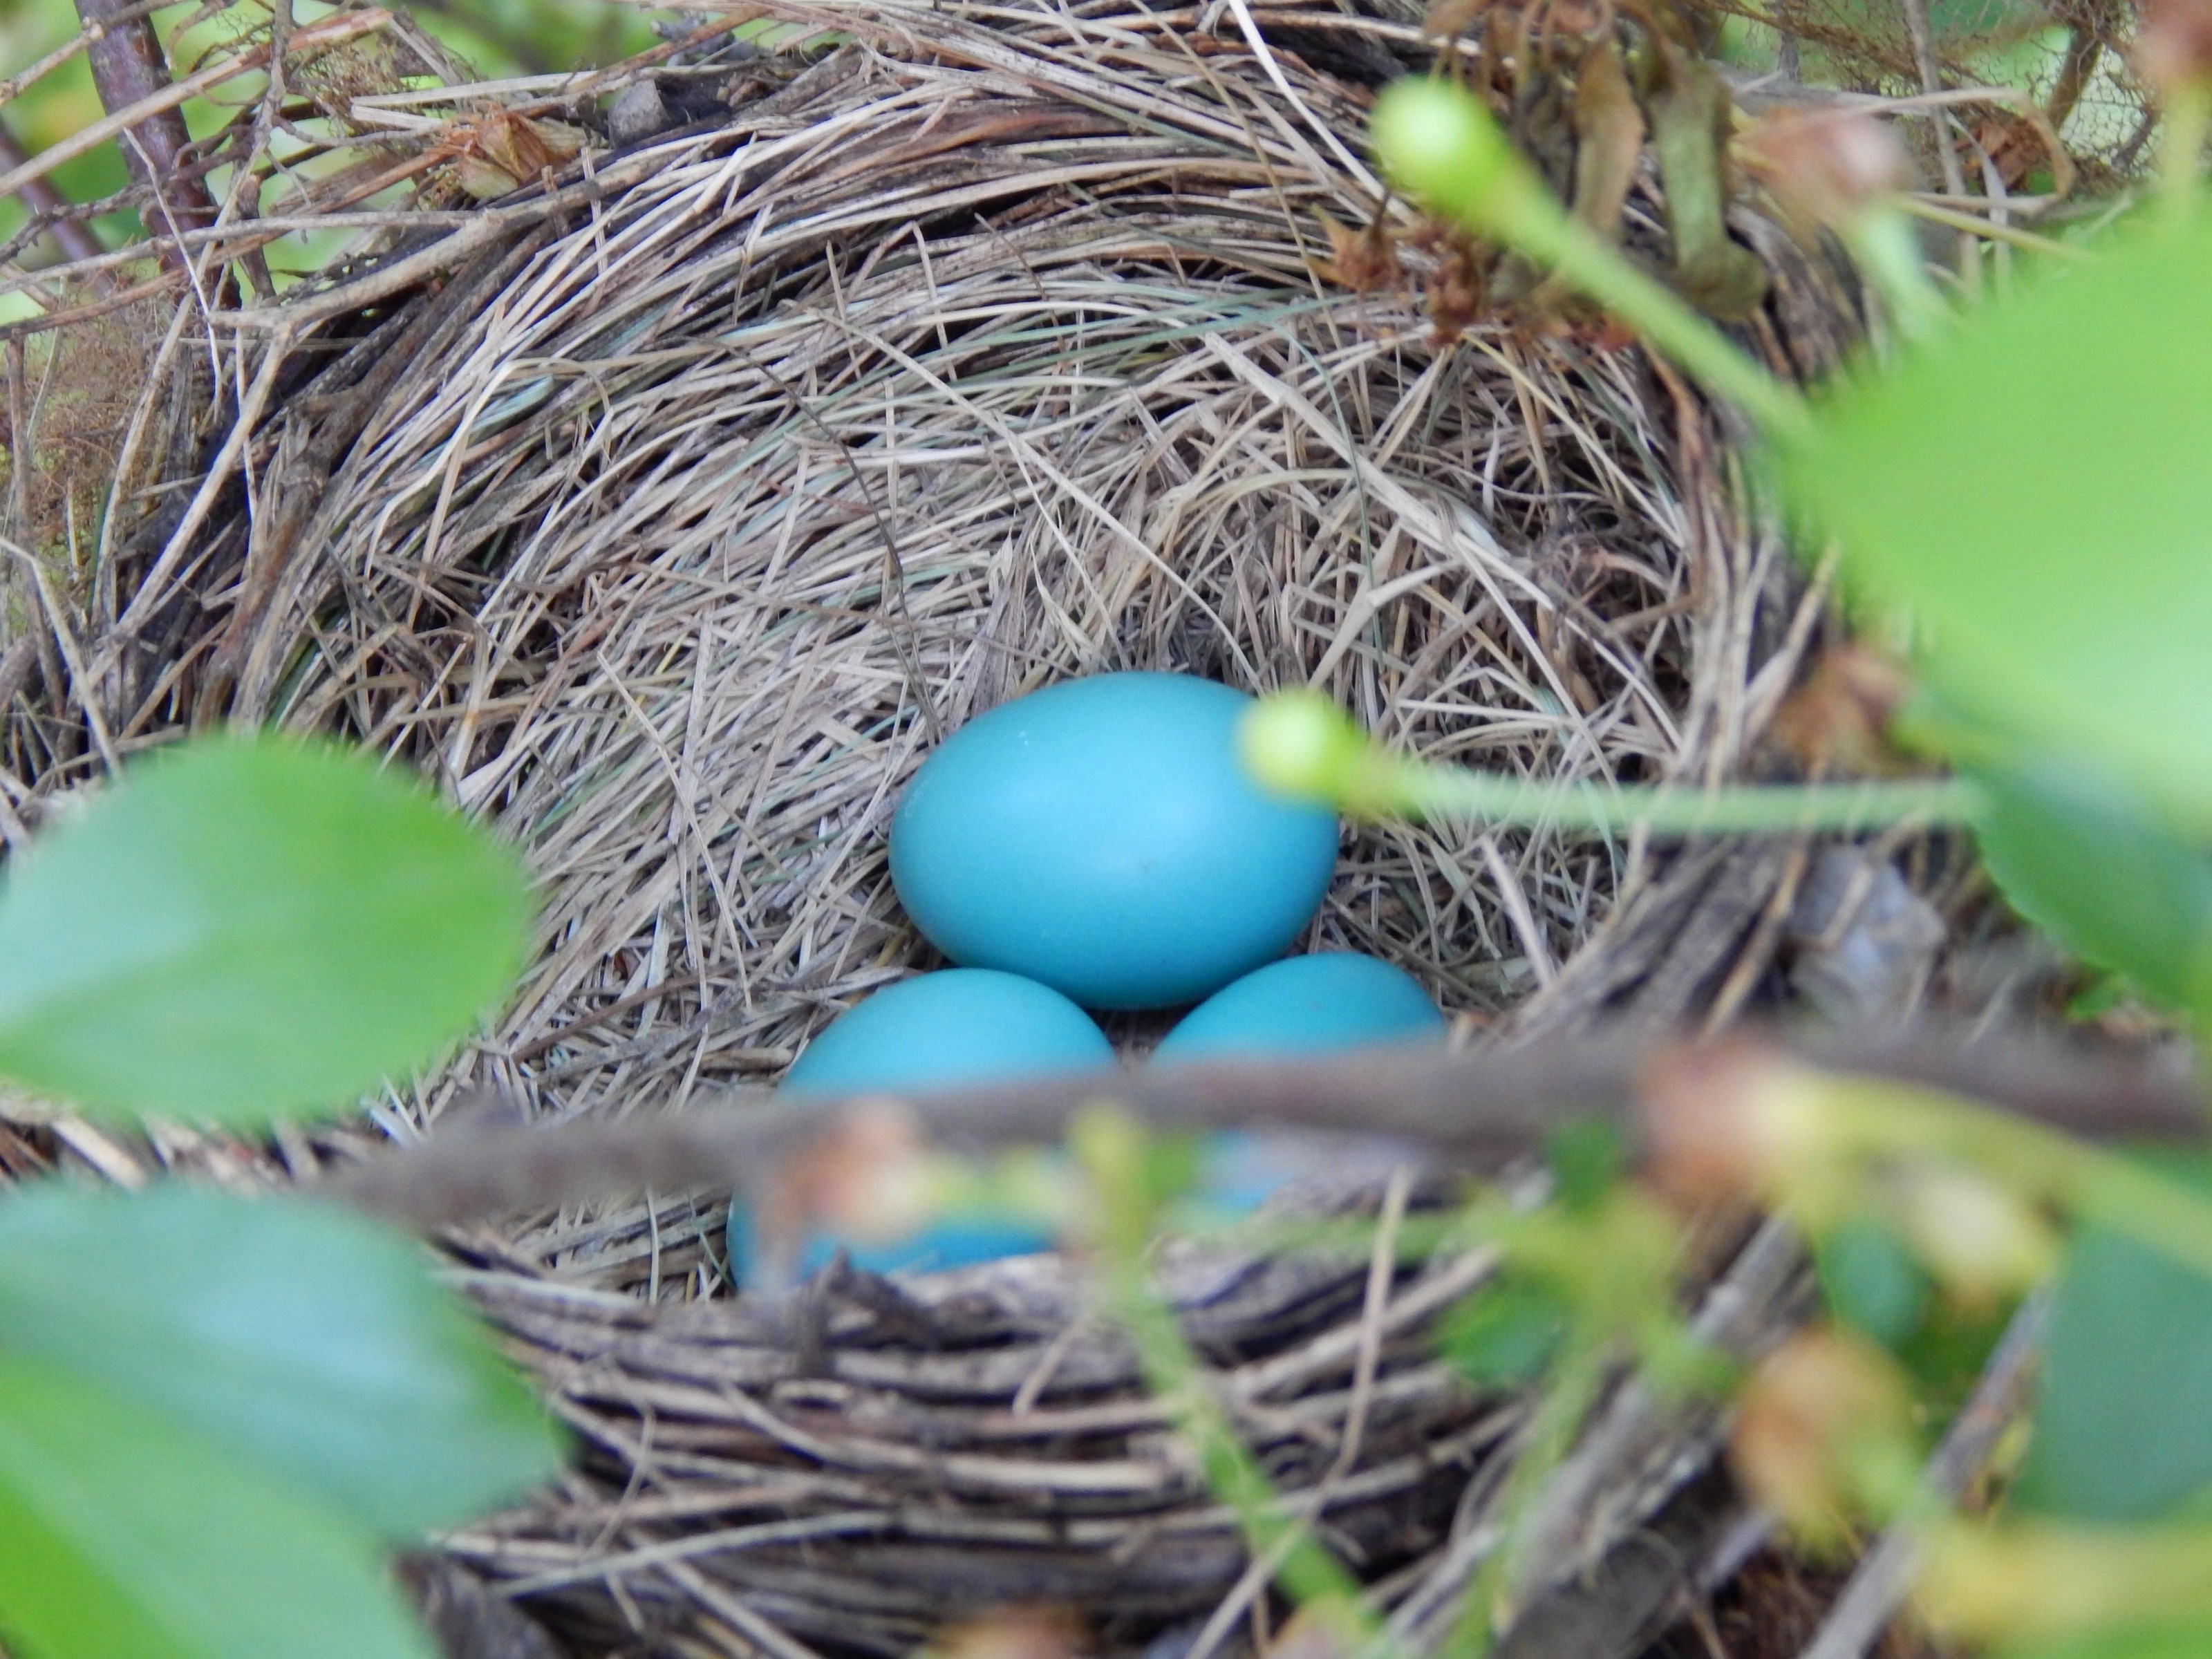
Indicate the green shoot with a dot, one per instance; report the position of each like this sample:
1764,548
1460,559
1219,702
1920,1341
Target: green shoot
1112,1148
1300,743
1440,146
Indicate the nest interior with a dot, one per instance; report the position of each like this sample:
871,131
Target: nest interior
978,347
987,350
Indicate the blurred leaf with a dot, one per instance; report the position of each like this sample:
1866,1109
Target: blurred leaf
1946,1354
1871,1280
2022,485
2188,1642
1609,137
307,1338
1588,1158
1174,1161
1505,1335
2104,994
1690,115
123,1537
248,927
2093,865
2123,1416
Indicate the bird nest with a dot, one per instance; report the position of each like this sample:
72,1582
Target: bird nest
671,509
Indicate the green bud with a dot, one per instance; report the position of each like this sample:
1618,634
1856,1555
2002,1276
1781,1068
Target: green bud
1300,745
1440,146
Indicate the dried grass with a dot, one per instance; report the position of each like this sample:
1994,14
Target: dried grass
990,350
698,494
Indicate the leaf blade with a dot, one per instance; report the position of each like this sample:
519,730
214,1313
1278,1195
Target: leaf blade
305,1339
246,928
121,1534
2123,1412
2025,486
2098,868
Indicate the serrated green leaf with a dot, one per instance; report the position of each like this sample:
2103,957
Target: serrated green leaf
2098,867
1505,1335
2031,486
1871,1280
123,1536
310,1341
247,927
2123,1415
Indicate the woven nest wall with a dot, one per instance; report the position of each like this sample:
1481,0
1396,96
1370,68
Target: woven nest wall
991,347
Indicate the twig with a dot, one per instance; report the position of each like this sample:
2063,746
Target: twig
1737,1318
331,32
1947,156
485,228
1470,1106
1966,224
1878,1588
131,73
76,240
13,86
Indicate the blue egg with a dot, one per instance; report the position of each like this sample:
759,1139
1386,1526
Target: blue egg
936,1031
1301,1004
1100,837
1306,1004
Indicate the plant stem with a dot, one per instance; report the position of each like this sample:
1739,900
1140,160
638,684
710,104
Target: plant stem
1568,1395
1592,265
1672,810
2181,151
1440,144
1110,1145
2090,1182
1300,745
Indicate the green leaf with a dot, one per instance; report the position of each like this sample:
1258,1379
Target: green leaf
248,927
2085,858
1505,1336
305,1339
1589,1157
2029,485
124,1537
2158,1642
1871,1280
2124,1416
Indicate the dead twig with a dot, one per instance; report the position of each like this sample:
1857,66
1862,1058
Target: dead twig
1879,1586
1467,1106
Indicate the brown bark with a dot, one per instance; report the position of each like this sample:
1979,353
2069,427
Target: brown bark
128,64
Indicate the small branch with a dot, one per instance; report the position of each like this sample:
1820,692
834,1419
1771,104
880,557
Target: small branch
1878,1588
12,88
345,27
130,69
76,240
1947,154
1472,1107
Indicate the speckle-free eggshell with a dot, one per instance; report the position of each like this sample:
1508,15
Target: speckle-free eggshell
1306,1004
1099,835
936,1031
1301,1005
